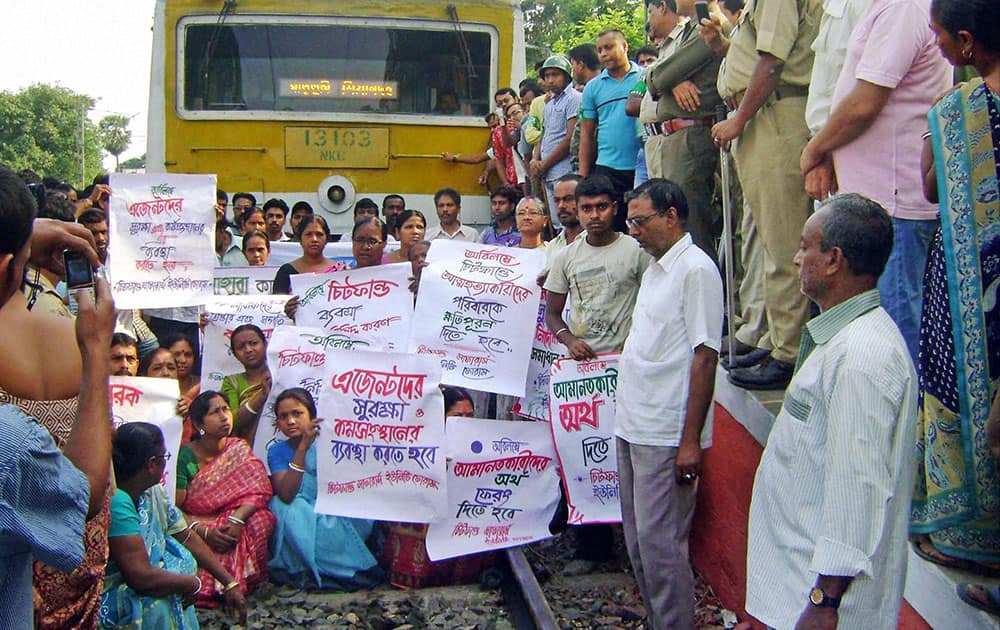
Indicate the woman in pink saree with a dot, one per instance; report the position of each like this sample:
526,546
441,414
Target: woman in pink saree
224,490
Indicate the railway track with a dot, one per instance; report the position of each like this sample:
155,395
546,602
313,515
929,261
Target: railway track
510,598
524,596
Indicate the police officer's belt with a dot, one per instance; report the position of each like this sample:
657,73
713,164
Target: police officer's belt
674,125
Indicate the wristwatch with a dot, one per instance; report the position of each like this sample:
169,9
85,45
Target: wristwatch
818,598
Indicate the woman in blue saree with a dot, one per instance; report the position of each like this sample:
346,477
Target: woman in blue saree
955,515
311,550
152,575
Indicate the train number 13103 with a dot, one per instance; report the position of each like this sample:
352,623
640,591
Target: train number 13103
340,138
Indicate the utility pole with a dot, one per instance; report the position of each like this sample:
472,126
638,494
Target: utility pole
83,144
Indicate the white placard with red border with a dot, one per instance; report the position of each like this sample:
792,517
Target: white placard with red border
243,280
476,310
223,314
545,349
380,451
373,304
503,488
582,417
161,231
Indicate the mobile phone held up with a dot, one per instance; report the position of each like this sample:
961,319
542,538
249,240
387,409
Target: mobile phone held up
79,273
701,10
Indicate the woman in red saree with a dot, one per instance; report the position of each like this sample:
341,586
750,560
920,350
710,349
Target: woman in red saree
223,491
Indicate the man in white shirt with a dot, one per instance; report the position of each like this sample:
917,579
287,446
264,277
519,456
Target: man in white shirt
275,213
831,500
666,379
448,204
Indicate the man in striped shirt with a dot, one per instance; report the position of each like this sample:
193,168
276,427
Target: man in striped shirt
830,508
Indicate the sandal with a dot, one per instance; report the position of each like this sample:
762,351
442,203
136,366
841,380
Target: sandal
926,550
980,596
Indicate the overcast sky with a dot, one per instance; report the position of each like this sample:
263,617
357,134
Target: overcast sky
96,47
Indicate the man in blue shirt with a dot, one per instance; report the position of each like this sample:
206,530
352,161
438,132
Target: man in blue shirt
603,110
503,230
46,495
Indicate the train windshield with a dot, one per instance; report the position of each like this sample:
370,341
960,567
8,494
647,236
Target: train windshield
360,68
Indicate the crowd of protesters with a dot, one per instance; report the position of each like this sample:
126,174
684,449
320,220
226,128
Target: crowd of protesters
866,212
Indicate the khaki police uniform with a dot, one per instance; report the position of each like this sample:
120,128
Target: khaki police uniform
687,154
768,151
647,109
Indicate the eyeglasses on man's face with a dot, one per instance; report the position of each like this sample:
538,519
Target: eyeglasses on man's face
637,222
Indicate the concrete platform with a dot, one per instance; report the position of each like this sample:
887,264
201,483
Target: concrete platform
743,420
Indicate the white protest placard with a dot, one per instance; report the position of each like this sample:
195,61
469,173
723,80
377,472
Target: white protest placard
502,487
545,349
582,417
152,400
161,251
380,449
373,304
296,357
223,315
476,311
243,280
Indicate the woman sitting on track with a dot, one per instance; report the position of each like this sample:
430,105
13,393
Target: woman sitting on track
311,550
152,571
224,491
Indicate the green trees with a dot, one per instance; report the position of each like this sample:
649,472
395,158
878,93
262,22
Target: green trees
133,163
114,135
40,129
46,128
558,25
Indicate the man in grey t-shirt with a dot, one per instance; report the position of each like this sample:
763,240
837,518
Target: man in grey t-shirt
602,270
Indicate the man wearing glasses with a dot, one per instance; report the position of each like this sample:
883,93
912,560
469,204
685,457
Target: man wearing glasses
666,378
243,202
601,271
